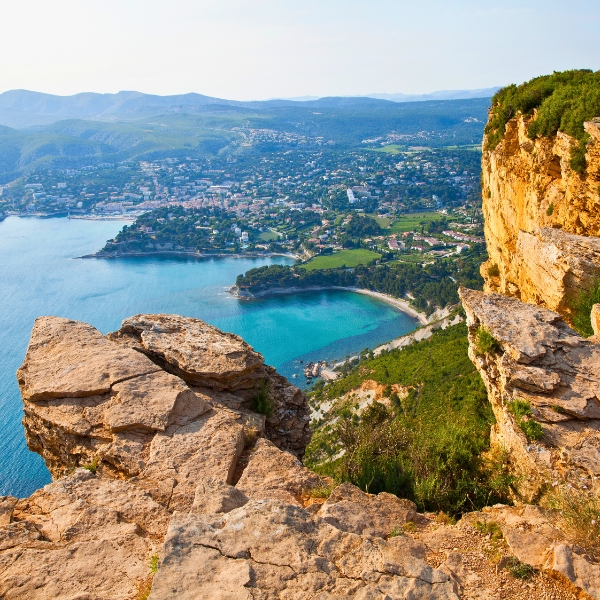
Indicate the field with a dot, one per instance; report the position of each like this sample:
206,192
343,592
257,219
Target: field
413,221
348,258
389,149
268,236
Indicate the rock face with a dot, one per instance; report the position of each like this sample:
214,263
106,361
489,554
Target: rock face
528,190
221,365
541,361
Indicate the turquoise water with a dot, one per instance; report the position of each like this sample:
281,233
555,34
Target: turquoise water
40,276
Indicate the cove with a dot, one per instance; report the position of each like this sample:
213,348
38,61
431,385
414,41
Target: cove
39,275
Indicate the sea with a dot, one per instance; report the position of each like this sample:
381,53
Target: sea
41,274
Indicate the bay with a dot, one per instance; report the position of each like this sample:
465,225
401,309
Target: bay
40,275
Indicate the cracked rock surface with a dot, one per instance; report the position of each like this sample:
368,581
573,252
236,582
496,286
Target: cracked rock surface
542,361
270,549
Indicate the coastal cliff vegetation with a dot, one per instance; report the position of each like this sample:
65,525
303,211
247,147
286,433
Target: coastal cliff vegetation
423,433
562,101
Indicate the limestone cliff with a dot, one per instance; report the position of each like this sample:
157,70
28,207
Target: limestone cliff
537,212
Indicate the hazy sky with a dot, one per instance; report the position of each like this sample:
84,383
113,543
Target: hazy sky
255,49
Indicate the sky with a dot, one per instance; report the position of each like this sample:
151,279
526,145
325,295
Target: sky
258,49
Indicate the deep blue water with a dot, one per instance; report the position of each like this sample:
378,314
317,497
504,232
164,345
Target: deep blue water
39,275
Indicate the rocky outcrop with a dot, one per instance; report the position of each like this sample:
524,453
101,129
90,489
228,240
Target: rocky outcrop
529,189
222,366
537,360
109,402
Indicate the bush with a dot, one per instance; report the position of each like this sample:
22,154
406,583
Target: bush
550,210
564,101
581,309
519,569
531,428
577,160
262,402
485,342
493,270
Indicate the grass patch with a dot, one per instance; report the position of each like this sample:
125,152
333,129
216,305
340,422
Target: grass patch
485,342
490,528
389,149
345,258
321,491
578,515
431,445
268,236
581,310
410,222
262,402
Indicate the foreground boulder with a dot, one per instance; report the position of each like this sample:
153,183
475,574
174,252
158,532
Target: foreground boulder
536,363
90,400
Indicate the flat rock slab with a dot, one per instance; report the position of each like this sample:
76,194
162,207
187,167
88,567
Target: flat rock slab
350,509
80,537
199,353
269,549
72,359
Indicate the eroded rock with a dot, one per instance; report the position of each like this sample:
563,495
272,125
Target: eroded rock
542,362
269,549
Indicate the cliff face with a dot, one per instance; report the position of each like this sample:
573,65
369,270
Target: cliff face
536,210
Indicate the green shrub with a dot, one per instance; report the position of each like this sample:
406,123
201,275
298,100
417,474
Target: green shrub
577,160
262,402
581,309
564,101
485,342
493,270
93,466
531,428
519,569
550,210
153,563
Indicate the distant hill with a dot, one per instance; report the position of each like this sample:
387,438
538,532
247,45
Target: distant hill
45,131
441,95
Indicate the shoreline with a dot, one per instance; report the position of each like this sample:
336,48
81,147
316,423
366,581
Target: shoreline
186,254
401,305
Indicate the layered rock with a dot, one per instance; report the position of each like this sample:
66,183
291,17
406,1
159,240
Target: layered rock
529,189
223,366
93,400
539,360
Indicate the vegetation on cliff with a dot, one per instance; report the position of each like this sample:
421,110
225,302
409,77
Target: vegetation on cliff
431,286
429,442
563,100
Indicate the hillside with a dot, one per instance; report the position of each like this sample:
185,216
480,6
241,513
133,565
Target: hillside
72,139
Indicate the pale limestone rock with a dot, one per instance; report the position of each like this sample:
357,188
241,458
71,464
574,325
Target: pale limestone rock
199,353
350,509
529,190
583,573
224,367
80,537
72,359
269,549
541,360
595,317
273,474
213,496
